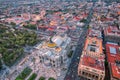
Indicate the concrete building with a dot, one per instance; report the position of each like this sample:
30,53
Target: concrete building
91,68
93,47
112,31
113,58
54,52
94,33
91,65
112,34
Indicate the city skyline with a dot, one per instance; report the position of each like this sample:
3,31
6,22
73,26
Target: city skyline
59,40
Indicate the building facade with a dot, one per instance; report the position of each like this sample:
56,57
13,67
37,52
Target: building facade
91,65
54,52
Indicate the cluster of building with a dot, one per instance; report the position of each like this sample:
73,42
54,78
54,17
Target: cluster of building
51,19
92,61
23,18
100,59
48,17
102,44
112,33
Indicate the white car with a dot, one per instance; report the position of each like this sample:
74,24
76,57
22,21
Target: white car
78,57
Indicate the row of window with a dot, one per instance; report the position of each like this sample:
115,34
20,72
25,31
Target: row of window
94,77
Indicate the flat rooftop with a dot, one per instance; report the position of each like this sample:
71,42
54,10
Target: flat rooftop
92,62
113,57
93,45
112,30
94,33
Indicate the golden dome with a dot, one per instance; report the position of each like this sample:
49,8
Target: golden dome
51,45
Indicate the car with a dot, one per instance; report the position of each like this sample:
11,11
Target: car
78,57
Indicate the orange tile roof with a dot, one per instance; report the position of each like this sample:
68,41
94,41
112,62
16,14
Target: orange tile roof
92,62
118,12
98,44
115,70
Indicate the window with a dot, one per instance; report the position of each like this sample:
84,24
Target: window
83,73
92,49
96,77
79,72
86,73
93,76
47,59
94,42
87,68
40,60
89,75
101,78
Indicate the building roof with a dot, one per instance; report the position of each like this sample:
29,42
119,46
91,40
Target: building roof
94,33
51,45
112,31
49,53
92,62
17,19
113,57
93,45
118,12
58,40
52,49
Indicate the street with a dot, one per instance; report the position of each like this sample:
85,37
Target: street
72,70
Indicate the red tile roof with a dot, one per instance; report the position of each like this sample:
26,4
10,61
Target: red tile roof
118,12
92,62
107,19
112,30
115,70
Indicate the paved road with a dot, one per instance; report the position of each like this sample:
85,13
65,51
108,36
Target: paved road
72,70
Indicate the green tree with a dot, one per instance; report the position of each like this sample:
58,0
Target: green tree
33,76
70,54
13,24
42,78
51,78
84,20
0,64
